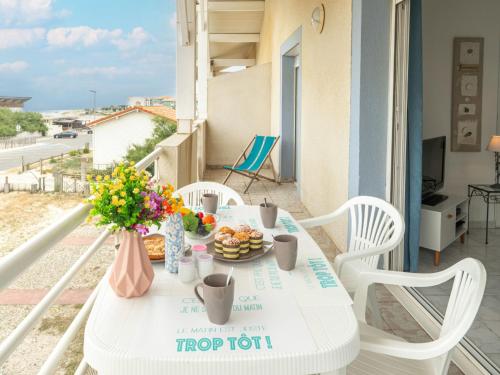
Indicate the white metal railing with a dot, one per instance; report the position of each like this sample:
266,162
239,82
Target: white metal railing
20,259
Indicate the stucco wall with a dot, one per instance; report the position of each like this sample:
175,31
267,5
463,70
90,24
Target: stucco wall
239,107
112,138
442,21
326,63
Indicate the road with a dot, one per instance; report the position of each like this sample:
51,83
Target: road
44,148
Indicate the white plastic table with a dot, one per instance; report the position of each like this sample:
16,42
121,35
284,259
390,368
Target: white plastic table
296,322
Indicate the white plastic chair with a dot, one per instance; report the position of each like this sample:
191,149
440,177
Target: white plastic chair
192,193
383,353
376,227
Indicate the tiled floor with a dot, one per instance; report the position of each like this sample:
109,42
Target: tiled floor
396,319
485,333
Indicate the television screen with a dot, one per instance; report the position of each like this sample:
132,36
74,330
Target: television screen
433,153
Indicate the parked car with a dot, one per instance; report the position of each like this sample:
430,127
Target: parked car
66,134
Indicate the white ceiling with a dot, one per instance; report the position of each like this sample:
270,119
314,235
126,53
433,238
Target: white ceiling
233,30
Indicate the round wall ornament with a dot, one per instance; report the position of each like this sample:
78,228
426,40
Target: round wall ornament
318,18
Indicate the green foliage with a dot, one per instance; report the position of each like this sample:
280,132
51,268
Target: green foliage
163,129
52,161
31,122
85,150
28,122
190,222
7,123
73,153
137,152
118,199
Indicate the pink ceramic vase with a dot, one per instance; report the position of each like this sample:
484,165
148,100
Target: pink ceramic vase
132,272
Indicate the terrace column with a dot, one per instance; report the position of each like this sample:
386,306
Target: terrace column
186,65
203,63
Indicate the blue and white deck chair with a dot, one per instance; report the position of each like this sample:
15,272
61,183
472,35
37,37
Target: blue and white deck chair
262,145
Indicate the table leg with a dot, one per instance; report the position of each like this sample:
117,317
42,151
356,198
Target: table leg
487,216
468,208
437,258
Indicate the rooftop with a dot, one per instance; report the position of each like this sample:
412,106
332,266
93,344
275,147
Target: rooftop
13,101
161,111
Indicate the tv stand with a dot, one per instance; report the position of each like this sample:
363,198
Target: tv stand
442,224
434,199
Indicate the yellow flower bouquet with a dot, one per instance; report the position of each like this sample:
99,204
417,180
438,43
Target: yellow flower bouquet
127,199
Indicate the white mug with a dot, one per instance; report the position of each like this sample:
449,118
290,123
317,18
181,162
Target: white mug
205,265
187,269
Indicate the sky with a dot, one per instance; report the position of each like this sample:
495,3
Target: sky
57,50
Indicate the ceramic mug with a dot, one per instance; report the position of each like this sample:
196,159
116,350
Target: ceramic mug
217,297
268,214
285,249
210,202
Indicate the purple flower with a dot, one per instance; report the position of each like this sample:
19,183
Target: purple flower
140,228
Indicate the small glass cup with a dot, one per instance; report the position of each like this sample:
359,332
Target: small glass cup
205,265
197,250
187,269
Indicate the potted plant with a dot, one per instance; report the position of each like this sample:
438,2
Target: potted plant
127,202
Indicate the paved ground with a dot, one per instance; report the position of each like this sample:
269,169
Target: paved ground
396,319
31,286
44,148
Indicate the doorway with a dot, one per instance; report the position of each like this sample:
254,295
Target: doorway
291,90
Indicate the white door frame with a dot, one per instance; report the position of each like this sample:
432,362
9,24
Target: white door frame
290,56
396,148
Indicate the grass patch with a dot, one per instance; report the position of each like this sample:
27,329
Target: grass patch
71,164
56,325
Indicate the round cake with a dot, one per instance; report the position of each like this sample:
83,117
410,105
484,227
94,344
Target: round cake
231,248
243,228
155,246
244,239
256,239
226,230
219,238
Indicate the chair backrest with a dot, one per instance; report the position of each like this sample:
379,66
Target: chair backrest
262,146
192,193
465,298
373,222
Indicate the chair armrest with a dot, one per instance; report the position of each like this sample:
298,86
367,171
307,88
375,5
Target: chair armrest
343,258
403,349
323,219
368,278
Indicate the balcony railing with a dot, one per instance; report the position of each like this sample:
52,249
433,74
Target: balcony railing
19,260
180,158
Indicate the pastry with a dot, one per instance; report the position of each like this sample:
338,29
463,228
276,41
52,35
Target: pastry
256,239
244,238
155,246
226,230
219,238
243,228
231,248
